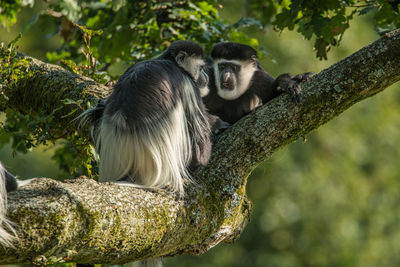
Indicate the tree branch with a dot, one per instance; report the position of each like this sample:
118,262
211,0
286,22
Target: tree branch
87,222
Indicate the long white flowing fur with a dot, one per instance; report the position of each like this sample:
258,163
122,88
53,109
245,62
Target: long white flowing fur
156,154
7,232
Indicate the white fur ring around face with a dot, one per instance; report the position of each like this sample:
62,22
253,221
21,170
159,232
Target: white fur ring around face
245,74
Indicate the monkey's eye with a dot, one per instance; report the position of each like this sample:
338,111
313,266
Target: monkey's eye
236,67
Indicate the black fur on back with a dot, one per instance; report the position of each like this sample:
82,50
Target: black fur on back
233,51
152,88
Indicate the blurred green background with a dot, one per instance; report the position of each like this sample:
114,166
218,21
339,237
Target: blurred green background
329,201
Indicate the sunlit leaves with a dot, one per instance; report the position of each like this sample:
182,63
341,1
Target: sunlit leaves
388,17
326,21
12,69
70,9
9,10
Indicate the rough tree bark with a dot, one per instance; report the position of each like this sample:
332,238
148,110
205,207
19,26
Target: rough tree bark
87,222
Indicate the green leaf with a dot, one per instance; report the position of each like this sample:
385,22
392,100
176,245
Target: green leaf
118,4
246,22
70,9
11,45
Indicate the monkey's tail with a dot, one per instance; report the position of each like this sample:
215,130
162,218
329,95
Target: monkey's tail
7,232
152,155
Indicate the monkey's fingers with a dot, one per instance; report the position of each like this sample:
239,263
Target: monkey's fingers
292,88
294,91
303,77
222,126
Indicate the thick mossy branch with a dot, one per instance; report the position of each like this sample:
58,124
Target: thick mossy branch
87,222
35,87
49,84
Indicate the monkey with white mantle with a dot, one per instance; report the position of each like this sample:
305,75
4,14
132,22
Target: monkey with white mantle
238,84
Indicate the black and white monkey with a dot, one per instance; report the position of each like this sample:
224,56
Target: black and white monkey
238,84
153,128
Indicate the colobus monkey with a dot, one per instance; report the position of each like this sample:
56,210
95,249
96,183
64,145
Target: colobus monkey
154,127
238,84
8,183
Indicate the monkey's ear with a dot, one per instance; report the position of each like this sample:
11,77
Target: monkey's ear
180,57
254,60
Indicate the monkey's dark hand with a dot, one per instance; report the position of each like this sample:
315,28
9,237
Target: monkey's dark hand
217,125
291,85
223,125
303,77
286,83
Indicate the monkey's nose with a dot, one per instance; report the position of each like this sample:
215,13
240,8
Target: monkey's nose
226,77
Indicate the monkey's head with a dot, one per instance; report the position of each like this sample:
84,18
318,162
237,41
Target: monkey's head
189,56
234,65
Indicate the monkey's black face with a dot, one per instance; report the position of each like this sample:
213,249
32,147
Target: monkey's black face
228,73
232,77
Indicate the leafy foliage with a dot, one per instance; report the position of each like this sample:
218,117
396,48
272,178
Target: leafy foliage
98,35
10,9
29,129
12,68
326,21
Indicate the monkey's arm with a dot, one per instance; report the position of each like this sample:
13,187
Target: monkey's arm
265,86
